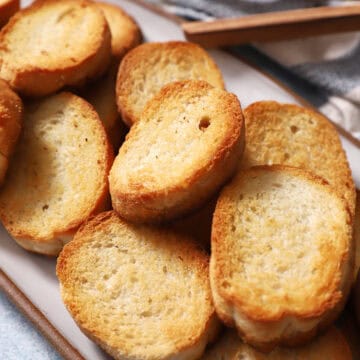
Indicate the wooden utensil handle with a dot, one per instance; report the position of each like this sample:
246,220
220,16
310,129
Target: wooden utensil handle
274,26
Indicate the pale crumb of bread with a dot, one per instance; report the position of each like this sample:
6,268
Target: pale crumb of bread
139,292
296,136
58,174
66,43
7,9
332,345
148,67
125,32
185,146
282,255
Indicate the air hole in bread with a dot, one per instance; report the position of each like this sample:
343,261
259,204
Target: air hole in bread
204,123
253,209
286,156
225,284
164,269
294,129
146,314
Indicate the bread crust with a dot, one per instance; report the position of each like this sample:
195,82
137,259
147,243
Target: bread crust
150,66
125,32
7,9
43,78
156,202
11,113
73,278
259,325
30,189
292,135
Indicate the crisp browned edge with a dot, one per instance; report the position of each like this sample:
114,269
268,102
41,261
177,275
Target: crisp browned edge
16,296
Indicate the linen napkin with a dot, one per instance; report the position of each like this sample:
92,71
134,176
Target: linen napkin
327,66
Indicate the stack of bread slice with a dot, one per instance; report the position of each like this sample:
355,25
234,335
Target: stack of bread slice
270,188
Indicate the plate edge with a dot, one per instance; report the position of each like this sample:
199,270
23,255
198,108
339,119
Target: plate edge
32,313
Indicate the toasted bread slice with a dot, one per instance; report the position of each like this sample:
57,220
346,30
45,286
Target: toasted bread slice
148,67
7,9
101,95
295,136
282,255
58,176
65,42
331,345
139,292
125,32
11,113
185,147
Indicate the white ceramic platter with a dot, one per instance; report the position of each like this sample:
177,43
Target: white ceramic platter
34,275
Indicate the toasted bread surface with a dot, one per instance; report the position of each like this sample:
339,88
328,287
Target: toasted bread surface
139,292
7,9
65,42
282,255
331,345
101,95
185,147
11,113
148,67
296,136
125,32
58,176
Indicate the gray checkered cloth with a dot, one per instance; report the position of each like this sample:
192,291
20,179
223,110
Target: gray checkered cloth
325,70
